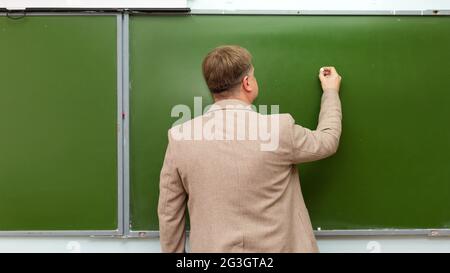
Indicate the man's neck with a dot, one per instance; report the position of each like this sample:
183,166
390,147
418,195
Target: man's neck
235,97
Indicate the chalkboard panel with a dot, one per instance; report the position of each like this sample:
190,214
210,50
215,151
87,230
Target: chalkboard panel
391,170
58,116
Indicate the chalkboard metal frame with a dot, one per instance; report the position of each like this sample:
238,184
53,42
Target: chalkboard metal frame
331,233
126,108
124,229
120,137
130,233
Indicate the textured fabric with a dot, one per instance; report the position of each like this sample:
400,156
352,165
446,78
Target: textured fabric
242,198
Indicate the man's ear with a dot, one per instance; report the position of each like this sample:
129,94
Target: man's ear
246,84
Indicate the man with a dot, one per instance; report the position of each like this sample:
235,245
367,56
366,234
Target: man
242,198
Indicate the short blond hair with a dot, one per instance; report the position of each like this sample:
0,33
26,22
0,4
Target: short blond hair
225,66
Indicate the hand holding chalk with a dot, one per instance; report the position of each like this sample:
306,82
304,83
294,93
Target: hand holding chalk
325,71
329,79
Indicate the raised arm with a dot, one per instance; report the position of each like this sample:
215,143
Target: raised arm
311,145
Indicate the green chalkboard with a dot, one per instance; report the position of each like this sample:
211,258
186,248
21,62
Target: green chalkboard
392,167
58,117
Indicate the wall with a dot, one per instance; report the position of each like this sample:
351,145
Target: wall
319,4
326,244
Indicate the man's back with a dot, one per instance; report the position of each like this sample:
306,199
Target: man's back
240,180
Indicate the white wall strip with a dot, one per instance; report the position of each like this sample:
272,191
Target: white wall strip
319,4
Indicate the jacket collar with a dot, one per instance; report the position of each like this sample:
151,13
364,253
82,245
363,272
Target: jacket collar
230,104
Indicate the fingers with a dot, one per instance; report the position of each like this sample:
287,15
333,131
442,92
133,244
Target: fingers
324,72
321,75
328,71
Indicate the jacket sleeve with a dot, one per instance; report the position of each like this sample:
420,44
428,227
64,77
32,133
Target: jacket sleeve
310,145
171,205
